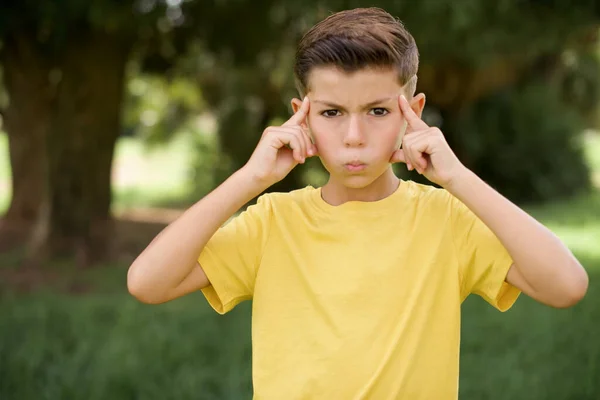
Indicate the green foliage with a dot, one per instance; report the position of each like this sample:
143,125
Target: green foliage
157,109
210,167
53,21
580,82
477,31
154,27
525,142
470,36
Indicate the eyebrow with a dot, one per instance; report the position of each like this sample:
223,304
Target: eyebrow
337,106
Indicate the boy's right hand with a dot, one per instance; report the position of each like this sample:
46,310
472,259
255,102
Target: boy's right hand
281,148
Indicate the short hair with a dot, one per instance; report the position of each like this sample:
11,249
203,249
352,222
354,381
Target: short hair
357,39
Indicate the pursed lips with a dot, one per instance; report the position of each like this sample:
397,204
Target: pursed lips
355,166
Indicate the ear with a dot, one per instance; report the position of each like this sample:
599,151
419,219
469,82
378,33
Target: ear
417,103
296,104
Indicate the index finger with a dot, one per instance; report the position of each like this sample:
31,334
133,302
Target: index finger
411,117
300,115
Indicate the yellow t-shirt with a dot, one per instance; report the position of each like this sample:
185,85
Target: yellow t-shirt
357,301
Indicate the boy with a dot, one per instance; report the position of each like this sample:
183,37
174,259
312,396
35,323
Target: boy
357,285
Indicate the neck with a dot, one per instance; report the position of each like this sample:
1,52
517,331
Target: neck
335,193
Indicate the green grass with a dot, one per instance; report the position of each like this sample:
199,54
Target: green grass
107,346
101,344
532,351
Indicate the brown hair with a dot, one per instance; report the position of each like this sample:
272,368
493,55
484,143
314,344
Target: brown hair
356,39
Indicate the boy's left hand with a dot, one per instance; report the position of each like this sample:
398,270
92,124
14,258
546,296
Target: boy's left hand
425,149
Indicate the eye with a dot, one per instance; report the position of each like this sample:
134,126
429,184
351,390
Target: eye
379,111
330,113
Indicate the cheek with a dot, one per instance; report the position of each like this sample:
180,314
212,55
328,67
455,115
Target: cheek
327,145
391,137
322,135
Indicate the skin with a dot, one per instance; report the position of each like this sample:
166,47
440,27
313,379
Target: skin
356,117
359,117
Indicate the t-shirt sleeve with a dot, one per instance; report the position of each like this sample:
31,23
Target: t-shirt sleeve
231,257
483,260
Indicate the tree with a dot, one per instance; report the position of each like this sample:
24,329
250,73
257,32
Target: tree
64,66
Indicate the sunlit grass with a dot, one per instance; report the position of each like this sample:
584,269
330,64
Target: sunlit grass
149,176
142,176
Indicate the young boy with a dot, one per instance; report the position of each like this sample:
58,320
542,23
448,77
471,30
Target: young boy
357,285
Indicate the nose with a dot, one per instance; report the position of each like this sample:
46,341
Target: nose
354,136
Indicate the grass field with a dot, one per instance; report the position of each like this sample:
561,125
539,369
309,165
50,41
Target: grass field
60,343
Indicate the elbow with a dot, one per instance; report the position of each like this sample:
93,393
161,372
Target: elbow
140,289
575,288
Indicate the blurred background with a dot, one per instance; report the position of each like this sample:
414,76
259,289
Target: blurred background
117,115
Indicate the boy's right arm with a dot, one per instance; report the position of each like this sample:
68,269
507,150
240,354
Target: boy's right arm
168,267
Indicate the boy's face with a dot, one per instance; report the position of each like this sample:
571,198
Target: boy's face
355,121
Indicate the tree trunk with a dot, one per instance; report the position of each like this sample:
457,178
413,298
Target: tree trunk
86,125
27,122
63,123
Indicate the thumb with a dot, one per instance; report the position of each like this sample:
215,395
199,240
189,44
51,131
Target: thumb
398,156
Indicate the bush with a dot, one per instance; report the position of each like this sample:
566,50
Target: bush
526,143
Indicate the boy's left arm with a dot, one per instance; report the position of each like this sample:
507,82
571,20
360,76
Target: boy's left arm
543,267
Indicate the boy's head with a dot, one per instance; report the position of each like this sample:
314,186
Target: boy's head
356,39
353,66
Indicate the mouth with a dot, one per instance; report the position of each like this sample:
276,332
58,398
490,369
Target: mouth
355,166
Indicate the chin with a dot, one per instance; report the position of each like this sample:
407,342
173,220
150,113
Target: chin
357,181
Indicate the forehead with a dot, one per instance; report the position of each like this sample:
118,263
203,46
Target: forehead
334,84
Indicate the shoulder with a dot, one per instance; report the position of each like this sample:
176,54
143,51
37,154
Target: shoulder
272,206
428,195
433,204
286,209
441,204
286,199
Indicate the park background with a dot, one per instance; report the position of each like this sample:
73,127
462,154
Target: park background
117,115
